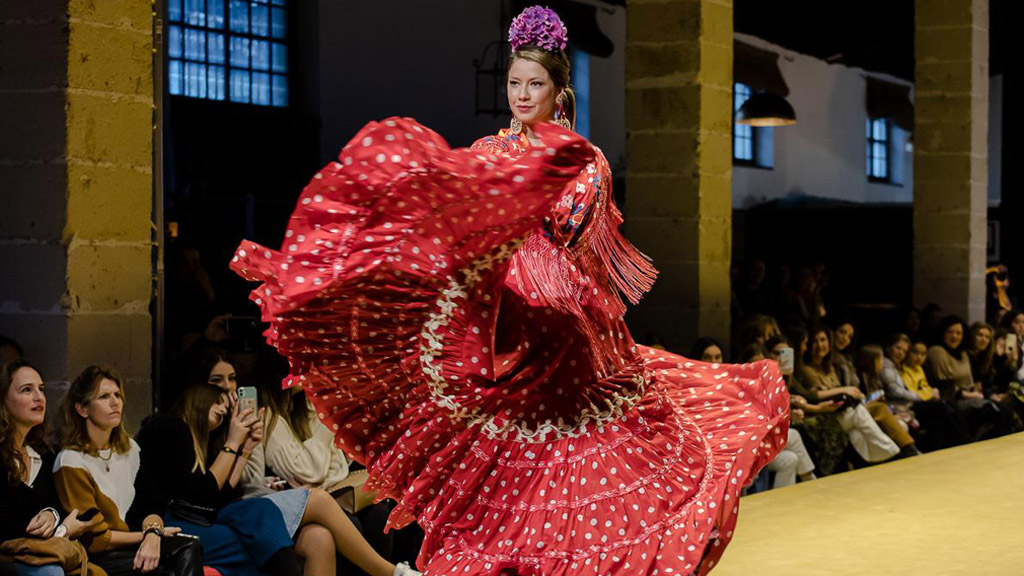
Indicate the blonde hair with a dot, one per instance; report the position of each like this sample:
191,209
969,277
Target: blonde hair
557,65
194,408
82,391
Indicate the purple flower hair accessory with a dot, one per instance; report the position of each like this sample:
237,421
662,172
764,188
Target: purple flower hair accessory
540,26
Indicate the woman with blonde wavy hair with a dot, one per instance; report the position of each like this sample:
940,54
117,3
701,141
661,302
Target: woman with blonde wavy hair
96,469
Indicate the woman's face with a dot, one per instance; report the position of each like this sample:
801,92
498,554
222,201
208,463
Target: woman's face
916,355
218,411
953,336
712,354
223,376
1018,325
26,400
844,336
531,92
898,351
982,338
104,409
820,346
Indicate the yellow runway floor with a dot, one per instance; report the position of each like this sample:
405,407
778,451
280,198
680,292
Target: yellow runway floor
952,512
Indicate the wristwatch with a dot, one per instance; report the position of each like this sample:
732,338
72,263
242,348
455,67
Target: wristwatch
61,531
154,529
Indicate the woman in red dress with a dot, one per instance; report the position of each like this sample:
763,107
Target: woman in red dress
456,316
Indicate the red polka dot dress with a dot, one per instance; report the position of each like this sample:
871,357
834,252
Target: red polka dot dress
456,318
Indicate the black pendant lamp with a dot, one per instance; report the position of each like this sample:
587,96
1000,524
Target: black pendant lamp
766,109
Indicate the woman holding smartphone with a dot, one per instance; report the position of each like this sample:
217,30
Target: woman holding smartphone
318,525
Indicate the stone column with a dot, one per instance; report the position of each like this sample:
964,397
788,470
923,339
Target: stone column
76,170
951,154
679,159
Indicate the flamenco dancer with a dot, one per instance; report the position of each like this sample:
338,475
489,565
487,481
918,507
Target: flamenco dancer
456,317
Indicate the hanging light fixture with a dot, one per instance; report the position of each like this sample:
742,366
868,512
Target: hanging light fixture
766,109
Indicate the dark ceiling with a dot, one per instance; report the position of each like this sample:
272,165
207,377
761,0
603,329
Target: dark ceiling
876,35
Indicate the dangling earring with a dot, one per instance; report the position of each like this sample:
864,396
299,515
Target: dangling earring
515,127
560,117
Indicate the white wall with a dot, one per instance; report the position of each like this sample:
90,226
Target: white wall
395,58
824,153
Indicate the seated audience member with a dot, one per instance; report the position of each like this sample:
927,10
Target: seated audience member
980,351
758,328
308,508
818,373
948,367
29,507
905,383
706,349
298,449
10,350
752,353
1013,322
894,420
843,356
817,421
96,469
794,461
185,465
1005,387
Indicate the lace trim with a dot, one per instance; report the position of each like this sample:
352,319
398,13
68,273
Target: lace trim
672,522
431,346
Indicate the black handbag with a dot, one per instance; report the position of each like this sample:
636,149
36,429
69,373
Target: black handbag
179,556
200,515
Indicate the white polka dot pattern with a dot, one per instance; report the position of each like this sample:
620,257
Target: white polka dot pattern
524,431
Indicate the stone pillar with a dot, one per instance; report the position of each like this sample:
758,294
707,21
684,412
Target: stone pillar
76,170
951,154
679,163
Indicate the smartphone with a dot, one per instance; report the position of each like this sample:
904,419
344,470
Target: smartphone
88,514
874,395
247,399
786,360
1011,341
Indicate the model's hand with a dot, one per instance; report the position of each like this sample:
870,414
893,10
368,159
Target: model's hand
148,557
42,525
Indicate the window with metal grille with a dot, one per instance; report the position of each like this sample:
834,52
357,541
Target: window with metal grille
878,138
234,50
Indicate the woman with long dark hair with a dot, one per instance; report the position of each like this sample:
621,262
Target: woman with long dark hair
29,507
312,517
818,373
948,366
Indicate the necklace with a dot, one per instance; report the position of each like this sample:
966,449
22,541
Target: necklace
106,461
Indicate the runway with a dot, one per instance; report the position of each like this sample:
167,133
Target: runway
952,512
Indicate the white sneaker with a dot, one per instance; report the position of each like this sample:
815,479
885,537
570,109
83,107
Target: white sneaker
403,569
